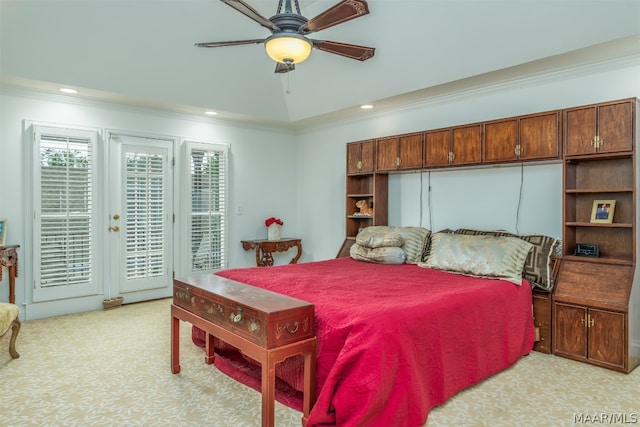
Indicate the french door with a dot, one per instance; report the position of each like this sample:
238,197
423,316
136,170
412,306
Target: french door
140,224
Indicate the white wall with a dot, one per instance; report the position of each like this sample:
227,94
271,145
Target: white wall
300,177
480,198
263,170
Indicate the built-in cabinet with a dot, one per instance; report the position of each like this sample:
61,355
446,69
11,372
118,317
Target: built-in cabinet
523,138
600,128
399,153
363,184
457,146
595,303
360,157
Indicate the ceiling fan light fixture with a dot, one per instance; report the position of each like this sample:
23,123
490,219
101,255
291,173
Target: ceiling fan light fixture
288,48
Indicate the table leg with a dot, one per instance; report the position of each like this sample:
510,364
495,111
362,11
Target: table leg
175,345
12,284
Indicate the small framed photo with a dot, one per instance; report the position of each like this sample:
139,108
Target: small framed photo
3,231
602,211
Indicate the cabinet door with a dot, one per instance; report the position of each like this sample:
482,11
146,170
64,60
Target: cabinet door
607,336
540,136
386,154
570,331
367,156
580,130
500,141
410,151
360,157
466,145
615,127
437,146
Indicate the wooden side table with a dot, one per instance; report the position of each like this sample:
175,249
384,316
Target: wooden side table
9,259
265,248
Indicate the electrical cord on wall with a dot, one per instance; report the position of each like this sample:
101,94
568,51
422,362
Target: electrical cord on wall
520,197
420,222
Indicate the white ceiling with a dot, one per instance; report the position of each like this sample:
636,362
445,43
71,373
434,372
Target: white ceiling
141,52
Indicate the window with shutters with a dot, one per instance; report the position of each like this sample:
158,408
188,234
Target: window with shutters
207,216
64,202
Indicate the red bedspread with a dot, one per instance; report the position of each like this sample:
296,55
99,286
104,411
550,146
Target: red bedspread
396,340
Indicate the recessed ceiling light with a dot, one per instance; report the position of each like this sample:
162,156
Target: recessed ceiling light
68,90
366,106
211,113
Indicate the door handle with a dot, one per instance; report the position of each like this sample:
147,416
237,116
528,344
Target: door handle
115,228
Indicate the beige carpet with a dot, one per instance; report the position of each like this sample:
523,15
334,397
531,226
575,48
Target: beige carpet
111,368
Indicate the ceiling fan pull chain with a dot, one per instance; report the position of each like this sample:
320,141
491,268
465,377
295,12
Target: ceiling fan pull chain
288,91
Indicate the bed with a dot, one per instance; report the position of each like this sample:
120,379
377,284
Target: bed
394,340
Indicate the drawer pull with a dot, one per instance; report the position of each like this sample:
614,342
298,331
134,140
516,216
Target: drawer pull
295,328
238,317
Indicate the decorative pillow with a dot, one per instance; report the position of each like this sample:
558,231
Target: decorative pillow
537,267
479,256
427,243
378,237
414,239
382,255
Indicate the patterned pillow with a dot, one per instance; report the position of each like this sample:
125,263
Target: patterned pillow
378,237
427,244
479,256
537,268
415,239
381,255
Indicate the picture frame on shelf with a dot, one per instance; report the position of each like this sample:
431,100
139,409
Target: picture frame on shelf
3,231
602,211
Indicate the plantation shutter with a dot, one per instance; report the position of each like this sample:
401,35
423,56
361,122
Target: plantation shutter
208,183
64,205
145,207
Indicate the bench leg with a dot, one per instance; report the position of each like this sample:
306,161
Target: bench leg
209,349
175,345
268,391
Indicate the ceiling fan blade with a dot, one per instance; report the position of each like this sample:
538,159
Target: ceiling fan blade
230,43
250,12
337,14
284,68
361,53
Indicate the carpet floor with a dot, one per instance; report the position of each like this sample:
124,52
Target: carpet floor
112,368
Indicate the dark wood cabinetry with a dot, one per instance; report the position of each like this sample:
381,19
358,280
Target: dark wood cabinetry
596,303
399,153
523,138
360,157
542,320
363,184
591,314
600,128
457,146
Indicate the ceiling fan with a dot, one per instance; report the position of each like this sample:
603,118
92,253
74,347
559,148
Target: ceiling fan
288,44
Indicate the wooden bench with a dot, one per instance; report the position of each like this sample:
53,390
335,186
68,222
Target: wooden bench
266,326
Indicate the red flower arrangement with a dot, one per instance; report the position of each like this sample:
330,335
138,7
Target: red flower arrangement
272,220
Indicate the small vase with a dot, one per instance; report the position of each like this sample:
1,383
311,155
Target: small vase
273,232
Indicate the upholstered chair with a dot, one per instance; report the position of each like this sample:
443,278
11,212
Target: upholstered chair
9,321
